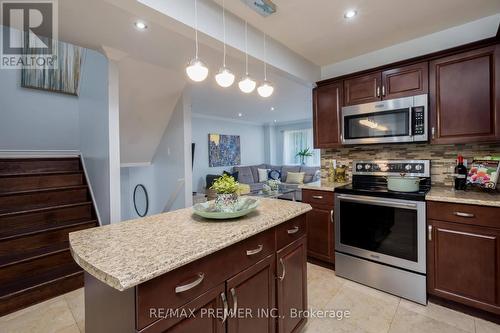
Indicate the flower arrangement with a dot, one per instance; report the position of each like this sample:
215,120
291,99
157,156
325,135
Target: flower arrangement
302,154
225,184
227,197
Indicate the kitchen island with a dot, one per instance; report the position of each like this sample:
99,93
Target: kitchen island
176,272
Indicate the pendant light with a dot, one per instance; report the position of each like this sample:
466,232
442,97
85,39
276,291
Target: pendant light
266,89
196,70
247,85
224,78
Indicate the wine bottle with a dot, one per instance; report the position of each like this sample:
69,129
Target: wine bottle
460,174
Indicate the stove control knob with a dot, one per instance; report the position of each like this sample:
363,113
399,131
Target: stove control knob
359,166
418,167
408,167
367,166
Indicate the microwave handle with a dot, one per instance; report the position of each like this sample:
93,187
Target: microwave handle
410,123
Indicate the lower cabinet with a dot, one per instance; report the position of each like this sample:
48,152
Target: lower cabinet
463,257
320,226
292,286
252,299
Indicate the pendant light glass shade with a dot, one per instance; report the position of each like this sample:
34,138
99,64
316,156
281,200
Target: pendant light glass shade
196,70
266,89
224,78
247,85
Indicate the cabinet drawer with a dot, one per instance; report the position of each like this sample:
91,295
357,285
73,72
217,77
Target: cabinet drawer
290,231
467,214
314,197
182,285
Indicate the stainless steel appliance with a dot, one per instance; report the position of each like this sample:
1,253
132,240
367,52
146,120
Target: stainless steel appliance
396,120
380,235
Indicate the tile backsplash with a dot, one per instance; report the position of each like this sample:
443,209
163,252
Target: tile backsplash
443,157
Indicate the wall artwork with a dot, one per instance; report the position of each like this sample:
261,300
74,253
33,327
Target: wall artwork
65,78
223,150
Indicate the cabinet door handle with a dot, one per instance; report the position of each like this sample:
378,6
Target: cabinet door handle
292,231
282,277
235,301
317,197
433,131
189,286
463,214
429,232
331,215
255,251
383,90
226,308
378,91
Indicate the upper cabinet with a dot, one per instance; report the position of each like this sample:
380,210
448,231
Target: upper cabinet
327,102
362,89
405,81
464,97
392,83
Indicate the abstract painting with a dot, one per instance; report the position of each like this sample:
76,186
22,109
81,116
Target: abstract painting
223,150
65,78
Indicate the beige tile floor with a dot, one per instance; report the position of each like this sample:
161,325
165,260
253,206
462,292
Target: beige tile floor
370,311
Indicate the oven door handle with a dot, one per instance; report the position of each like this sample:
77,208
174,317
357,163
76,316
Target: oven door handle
379,202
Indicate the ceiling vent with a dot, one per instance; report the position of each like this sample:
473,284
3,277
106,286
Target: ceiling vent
263,7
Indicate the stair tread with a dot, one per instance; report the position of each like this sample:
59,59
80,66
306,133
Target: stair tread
37,173
31,254
41,190
24,284
10,234
45,208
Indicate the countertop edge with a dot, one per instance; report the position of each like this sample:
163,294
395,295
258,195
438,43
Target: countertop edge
118,285
466,201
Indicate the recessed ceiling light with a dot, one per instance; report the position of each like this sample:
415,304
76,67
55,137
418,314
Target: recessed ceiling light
275,121
240,114
140,25
350,14
272,108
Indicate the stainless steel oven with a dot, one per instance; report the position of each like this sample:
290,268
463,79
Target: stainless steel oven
396,120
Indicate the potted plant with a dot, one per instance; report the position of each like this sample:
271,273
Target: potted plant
226,188
303,154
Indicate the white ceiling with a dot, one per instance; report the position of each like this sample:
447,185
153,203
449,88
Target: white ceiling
152,77
318,31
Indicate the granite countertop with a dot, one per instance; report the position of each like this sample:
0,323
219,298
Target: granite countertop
322,185
446,194
126,254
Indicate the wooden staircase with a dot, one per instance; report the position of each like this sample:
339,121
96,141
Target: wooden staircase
42,200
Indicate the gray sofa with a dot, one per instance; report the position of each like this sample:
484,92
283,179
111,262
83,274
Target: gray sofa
249,175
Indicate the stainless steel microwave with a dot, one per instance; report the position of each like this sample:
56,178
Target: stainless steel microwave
391,121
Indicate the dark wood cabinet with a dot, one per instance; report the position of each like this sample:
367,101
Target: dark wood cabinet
465,97
362,89
463,259
200,321
327,103
241,291
292,286
320,227
405,81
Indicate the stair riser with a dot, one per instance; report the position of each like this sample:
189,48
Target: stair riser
10,166
7,247
14,203
11,184
44,220
41,293
36,266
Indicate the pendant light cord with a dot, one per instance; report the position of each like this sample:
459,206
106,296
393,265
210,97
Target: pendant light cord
196,26
224,32
265,59
246,48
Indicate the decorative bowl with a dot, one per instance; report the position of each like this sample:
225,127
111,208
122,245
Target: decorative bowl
209,210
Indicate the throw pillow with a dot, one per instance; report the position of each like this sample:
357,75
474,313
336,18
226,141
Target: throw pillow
232,174
274,174
263,175
295,177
